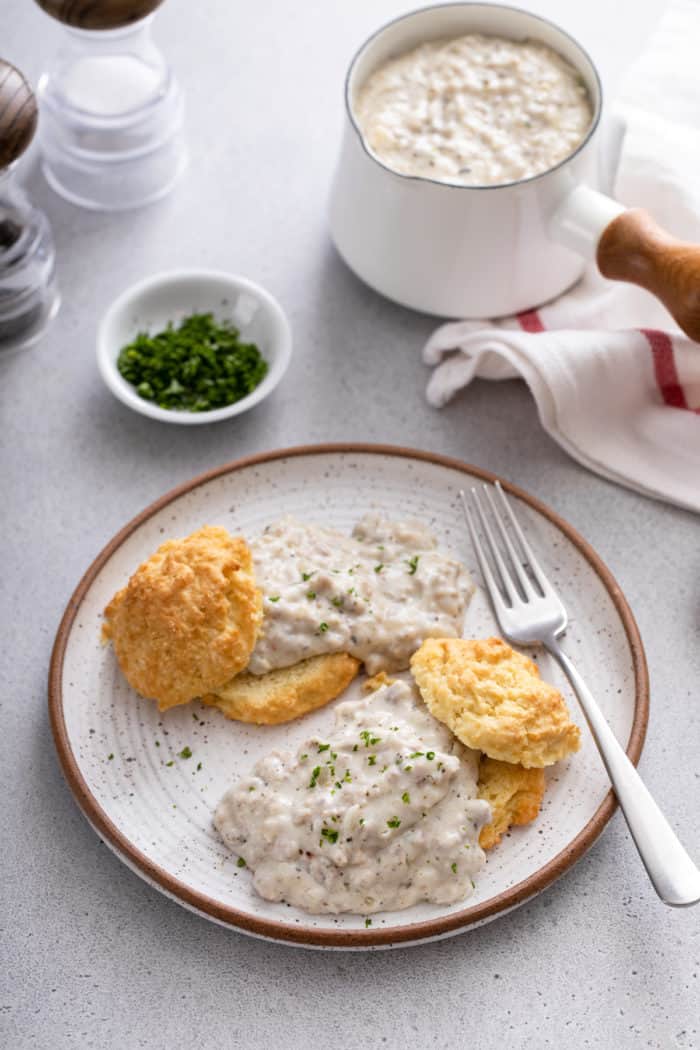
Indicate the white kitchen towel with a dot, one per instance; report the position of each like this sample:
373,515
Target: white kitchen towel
616,382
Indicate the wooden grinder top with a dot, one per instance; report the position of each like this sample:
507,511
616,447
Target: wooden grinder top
18,114
99,14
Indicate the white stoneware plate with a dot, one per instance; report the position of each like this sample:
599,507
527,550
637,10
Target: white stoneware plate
122,758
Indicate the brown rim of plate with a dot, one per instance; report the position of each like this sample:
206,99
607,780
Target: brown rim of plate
361,938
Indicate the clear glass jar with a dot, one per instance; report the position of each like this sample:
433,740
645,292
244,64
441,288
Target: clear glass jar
28,295
111,119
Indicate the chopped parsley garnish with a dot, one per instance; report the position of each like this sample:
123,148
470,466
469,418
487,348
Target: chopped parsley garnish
413,565
393,823
273,598
453,867
315,774
303,758
306,576
351,590
323,747
368,923
311,595
337,601
368,739
430,755
406,798
110,756
337,785
170,763
407,769
372,760
251,787
199,365
362,820
322,627
347,779
199,766
417,754
378,568
329,834
240,863
157,743
185,753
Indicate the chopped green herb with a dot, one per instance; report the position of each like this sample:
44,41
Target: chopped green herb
407,769
453,867
185,753
337,601
322,627
315,773
199,766
393,823
170,763
110,756
306,576
273,598
406,797
417,754
368,923
430,755
199,365
303,758
413,565
347,779
323,747
354,747
362,820
329,834
311,595
240,863
372,760
251,787
378,568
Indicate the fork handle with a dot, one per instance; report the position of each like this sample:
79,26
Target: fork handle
673,874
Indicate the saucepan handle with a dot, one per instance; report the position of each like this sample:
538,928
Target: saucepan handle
628,245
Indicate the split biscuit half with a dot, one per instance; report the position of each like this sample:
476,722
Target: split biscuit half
286,692
188,618
493,700
514,794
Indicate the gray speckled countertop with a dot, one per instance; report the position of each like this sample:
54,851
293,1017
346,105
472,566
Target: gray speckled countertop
91,956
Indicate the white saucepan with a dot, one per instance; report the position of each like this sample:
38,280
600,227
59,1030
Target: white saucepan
489,251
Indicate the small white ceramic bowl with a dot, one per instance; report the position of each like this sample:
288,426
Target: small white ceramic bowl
149,306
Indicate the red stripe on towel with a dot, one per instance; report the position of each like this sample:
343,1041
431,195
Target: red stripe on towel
530,321
665,368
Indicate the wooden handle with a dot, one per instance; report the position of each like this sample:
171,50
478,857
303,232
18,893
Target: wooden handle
633,248
18,114
98,14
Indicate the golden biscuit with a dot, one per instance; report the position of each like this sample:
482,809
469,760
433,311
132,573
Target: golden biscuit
188,618
494,700
286,692
514,794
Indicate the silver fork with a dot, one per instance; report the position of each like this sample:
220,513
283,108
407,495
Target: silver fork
529,610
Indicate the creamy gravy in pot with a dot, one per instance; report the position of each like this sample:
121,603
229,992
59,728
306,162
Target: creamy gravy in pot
376,594
378,815
476,110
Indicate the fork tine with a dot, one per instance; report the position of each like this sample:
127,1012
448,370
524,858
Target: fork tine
506,578
528,591
528,557
489,579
